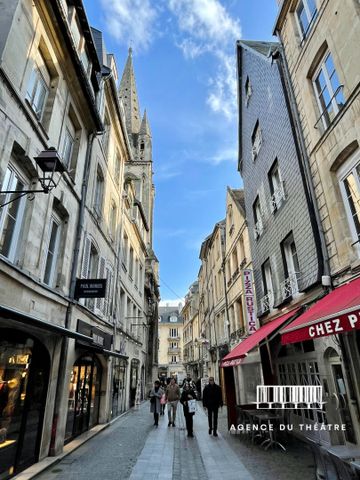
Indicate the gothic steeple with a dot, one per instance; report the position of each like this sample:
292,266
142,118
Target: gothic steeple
129,97
145,127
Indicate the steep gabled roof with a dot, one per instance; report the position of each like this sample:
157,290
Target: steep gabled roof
264,48
129,97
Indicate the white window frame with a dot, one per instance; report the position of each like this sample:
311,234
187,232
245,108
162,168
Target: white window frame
54,220
112,220
67,151
343,172
267,301
291,281
323,69
256,141
258,221
278,195
248,90
309,17
37,80
10,184
99,192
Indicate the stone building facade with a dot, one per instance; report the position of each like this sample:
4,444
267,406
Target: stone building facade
170,342
320,41
192,341
82,361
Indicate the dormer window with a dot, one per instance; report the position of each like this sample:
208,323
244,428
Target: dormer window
248,91
256,141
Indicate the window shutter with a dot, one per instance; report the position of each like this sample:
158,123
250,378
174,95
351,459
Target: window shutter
101,274
86,258
109,277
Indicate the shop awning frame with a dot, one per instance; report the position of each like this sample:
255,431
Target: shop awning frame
236,356
335,313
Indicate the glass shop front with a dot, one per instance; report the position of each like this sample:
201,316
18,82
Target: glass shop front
24,375
84,396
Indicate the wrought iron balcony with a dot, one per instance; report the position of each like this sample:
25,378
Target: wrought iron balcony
290,286
277,198
267,302
259,228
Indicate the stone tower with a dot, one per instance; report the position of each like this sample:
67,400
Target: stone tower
139,134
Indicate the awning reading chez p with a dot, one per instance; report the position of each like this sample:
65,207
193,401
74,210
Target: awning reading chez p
337,312
240,351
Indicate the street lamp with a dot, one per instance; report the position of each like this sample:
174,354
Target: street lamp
47,163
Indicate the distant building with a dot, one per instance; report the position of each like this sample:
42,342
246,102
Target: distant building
170,329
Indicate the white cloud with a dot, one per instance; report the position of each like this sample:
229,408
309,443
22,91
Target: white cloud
225,155
209,28
132,22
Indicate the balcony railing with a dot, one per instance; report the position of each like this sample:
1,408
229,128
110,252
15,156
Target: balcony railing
277,197
290,286
267,302
259,228
173,350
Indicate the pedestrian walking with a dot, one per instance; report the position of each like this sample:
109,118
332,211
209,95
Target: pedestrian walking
155,406
188,393
172,396
189,380
212,400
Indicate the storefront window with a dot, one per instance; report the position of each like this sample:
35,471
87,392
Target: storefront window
84,396
118,388
23,384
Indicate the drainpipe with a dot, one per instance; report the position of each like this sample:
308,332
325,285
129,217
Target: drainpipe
55,448
304,163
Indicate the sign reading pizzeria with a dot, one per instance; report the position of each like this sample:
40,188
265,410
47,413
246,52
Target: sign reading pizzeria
249,301
90,288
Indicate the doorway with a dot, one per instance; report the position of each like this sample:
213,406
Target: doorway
84,396
24,377
340,396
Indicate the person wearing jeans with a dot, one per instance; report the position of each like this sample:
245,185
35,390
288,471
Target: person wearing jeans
172,395
212,400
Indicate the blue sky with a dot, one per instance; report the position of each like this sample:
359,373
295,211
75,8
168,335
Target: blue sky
184,60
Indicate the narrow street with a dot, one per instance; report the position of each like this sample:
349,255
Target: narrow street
132,448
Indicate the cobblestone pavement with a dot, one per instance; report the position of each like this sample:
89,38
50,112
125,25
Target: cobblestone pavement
133,449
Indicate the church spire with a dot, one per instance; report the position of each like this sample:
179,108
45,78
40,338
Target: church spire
129,97
145,127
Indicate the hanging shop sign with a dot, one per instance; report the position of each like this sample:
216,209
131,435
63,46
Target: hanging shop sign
249,301
99,338
90,288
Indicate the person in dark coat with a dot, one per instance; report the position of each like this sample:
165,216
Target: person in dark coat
188,393
212,400
155,395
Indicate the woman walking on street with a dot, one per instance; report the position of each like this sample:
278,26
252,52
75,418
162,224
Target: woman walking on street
155,406
188,394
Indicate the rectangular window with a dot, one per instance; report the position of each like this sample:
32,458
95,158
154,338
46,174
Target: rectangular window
117,167
112,220
37,92
11,215
248,91
257,218
125,250
131,263
328,90
306,13
350,189
99,192
256,141
67,148
106,136
291,267
52,252
267,301
276,187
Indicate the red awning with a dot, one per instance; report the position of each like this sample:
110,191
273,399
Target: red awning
337,312
240,351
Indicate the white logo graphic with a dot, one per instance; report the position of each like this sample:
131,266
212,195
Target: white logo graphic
289,396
